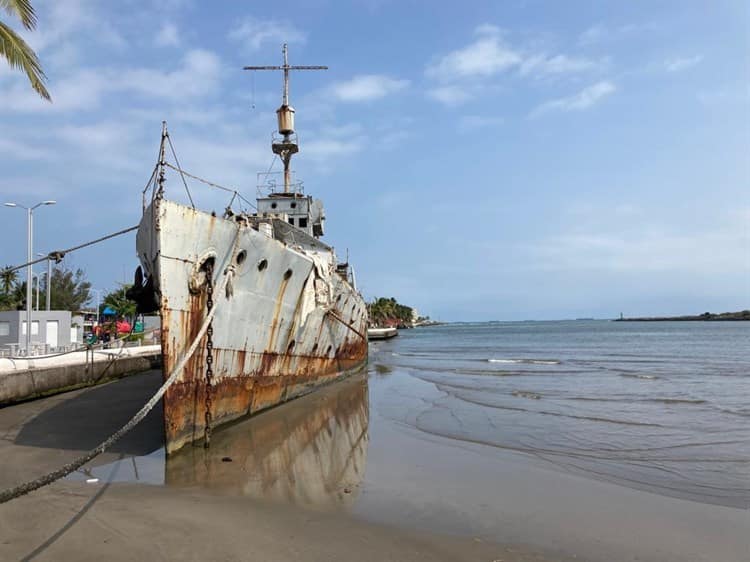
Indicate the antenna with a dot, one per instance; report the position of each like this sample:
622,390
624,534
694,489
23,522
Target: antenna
285,115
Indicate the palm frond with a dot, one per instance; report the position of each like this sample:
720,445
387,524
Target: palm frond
22,9
19,55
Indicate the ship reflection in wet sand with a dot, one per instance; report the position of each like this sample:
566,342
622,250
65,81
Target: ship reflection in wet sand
309,452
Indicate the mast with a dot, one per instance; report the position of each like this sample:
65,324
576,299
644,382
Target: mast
287,146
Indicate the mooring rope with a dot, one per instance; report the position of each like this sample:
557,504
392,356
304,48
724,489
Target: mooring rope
60,254
22,489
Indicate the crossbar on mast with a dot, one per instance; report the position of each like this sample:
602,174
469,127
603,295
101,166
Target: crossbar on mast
285,113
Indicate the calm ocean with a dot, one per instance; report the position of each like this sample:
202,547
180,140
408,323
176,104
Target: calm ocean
662,406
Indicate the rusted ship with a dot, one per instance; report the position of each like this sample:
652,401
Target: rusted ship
291,319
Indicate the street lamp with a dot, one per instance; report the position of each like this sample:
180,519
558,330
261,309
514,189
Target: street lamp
36,276
29,254
98,301
49,280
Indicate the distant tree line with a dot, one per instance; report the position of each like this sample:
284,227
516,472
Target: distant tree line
70,289
117,301
388,312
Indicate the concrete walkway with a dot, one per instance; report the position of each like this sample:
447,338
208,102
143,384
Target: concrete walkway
23,379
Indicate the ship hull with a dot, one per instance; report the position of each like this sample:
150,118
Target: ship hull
287,324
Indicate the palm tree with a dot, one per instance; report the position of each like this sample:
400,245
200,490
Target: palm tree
7,276
16,51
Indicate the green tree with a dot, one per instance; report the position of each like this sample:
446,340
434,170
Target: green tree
70,289
387,311
16,297
8,278
117,301
16,51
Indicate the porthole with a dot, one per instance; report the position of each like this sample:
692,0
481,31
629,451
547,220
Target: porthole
338,298
293,205
290,347
328,350
287,274
262,264
314,348
241,257
273,205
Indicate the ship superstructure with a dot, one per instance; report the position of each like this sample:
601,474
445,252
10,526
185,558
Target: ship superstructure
292,320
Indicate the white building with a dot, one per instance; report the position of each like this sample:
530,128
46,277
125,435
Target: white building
51,328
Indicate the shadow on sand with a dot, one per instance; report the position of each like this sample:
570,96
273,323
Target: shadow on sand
84,421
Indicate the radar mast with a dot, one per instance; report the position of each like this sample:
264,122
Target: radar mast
287,146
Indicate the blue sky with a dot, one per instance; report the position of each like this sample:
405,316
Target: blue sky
479,160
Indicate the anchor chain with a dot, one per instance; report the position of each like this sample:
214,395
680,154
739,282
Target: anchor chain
209,353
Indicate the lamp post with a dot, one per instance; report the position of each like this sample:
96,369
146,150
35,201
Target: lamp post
49,280
98,301
29,254
36,304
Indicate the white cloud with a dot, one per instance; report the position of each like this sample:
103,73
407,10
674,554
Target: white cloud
368,87
19,150
111,143
487,29
599,33
321,149
472,123
71,20
330,143
577,102
80,89
197,76
593,34
557,64
450,95
723,96
486,56
253,33
645,245
463,73
682,63
168,36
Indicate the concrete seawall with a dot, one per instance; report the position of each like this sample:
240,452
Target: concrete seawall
24,379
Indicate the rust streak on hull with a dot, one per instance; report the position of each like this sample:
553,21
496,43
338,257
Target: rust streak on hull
247,393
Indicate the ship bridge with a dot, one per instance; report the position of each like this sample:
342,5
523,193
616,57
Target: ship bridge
300,211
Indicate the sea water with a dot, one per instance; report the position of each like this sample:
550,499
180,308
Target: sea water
657,406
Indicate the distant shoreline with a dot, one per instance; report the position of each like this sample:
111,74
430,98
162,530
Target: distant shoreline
705,317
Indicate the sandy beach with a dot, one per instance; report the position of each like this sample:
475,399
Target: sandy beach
330,476
72,520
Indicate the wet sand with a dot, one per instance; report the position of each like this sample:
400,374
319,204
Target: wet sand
326,477
72,520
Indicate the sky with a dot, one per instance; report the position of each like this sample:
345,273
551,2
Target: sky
477,160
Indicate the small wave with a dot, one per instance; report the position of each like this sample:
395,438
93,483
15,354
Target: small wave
463,397
527,394
635,376
636,399
675,400
526,361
